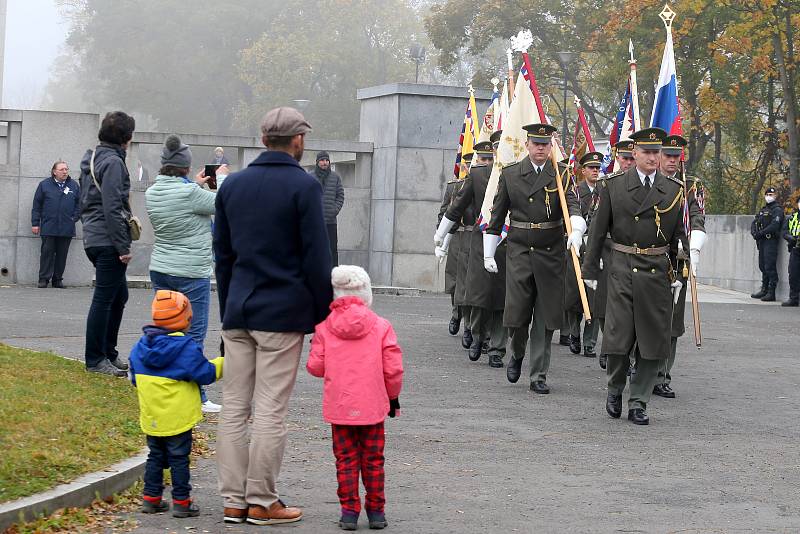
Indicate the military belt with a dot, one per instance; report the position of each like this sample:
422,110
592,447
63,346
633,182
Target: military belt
464,229
537,226
651,251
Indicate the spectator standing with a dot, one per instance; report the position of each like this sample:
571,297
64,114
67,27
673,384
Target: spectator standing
56,209
765,229
791,233
219,157
332,199
357,353
180,211
167,367
273,280
105,211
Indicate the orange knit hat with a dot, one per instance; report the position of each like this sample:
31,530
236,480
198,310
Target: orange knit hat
171,310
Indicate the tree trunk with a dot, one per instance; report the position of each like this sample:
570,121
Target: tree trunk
771,148
786,72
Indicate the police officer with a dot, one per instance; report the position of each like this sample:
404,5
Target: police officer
588,197
688,254
485,291
536,254
791,233
641,210
764,229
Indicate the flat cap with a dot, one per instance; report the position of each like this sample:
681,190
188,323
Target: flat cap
284,122
592,159
540,133
484,148
649,138
673,145
624,147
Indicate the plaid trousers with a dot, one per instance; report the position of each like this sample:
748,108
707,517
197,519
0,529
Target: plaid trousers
359,448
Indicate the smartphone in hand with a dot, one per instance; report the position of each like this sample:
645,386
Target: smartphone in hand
211,173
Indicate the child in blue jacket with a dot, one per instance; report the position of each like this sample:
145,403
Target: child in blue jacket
168,368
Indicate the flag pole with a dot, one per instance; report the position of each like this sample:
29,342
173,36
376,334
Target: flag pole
637,123
511,73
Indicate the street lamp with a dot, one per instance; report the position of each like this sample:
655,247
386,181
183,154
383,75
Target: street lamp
417,53
565,58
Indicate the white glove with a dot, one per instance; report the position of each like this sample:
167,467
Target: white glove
444,229
676,290
696,242
490,265
440,252
575,239
446,245
601,264
591,284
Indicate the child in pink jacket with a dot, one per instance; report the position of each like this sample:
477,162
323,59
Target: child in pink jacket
357,353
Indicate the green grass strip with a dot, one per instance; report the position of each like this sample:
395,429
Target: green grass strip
58,422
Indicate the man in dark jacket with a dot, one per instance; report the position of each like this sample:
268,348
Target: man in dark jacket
56,209
105,209
332,199
274,285
765,229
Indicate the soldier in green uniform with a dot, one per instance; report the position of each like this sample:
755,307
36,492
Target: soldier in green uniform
485,292
623,153
452,246
641,210
536,254
671,153
588,196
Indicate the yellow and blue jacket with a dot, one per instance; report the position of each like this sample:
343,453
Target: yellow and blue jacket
168,369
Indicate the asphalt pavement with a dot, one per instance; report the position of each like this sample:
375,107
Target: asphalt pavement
474,453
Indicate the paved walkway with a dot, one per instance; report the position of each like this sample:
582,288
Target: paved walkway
473,453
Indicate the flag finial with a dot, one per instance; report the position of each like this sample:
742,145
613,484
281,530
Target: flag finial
577,101
522,41
667,15
471,89
632,60
495,82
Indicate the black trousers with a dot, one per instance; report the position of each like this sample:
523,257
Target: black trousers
53,258
794,273
333,239
108,303
767,261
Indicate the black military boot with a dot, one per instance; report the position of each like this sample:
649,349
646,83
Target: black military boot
563,339
574,344
474,352
603,361
514,369
466,340
454,326
760,293
769,296
496,361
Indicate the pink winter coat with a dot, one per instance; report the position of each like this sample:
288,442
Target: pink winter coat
357,353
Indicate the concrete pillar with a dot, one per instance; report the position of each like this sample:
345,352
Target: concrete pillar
414,129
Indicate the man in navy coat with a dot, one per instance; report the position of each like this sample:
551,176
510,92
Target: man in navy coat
56,208
274,285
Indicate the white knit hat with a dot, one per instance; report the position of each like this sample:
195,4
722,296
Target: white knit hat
351,280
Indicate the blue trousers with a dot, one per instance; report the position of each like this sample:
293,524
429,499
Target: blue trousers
168,452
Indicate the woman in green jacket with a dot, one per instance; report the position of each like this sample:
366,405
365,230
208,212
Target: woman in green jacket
180,211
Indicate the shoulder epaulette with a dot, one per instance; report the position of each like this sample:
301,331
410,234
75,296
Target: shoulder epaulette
690,178
511,165
675,179
612,175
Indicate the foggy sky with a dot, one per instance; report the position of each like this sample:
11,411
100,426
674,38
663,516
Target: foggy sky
34,35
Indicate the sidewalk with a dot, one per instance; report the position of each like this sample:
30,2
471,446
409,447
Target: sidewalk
472,453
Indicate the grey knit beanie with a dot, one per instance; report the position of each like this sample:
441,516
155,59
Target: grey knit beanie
175,153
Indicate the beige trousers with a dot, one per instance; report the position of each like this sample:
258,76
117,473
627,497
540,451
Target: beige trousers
258,377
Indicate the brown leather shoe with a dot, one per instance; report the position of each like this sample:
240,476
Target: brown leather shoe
235,515
277,513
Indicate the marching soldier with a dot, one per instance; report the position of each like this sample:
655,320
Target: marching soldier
485,292
641,210
447,248
536,254
588,196
765,230
671,152
623,152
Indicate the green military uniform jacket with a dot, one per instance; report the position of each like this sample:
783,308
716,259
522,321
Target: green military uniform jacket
536,257
639,307
483,289
697,221
451,265
572,296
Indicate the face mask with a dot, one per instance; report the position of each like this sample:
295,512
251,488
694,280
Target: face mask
769,198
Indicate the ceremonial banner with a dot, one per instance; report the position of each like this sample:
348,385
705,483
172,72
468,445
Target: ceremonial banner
512,143
621,130
666,110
